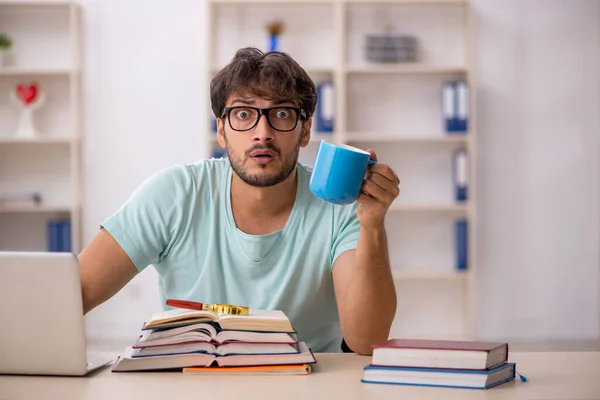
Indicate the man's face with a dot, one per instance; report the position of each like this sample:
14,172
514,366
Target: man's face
262,156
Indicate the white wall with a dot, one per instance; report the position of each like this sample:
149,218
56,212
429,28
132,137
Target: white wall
539,130
538,150
143,102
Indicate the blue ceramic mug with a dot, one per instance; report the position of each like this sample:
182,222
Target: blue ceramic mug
338,172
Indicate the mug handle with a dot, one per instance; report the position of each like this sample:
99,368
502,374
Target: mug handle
371,162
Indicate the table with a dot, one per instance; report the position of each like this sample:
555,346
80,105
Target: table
559,375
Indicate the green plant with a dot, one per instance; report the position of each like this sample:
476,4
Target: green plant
5,42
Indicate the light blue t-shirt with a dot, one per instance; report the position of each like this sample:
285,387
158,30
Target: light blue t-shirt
180,221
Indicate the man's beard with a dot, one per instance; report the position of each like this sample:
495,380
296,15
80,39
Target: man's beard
263,180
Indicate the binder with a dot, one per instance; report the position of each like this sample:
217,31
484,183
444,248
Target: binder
53,236
461,232
455,106
462,106
448,106
461,175
325,107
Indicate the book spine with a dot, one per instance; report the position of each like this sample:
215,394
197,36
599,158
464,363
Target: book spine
53,236
65,236
461,244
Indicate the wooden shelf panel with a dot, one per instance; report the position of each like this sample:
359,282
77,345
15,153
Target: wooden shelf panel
431,208
375,137
405,69
425,275
35,209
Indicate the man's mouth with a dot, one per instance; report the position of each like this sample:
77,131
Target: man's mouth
262,156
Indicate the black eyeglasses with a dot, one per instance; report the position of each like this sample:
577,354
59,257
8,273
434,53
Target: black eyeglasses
245,118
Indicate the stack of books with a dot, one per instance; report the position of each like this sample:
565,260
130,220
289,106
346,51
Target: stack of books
203,341
458,364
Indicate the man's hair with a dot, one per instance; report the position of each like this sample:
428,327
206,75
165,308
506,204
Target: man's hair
272,75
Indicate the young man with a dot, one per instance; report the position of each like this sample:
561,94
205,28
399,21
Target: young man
246,230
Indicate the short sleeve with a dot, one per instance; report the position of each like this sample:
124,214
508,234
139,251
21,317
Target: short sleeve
348,229
146,225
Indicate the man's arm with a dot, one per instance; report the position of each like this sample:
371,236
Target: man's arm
365,292
362,278
104,268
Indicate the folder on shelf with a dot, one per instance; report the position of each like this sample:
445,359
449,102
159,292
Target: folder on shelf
461,233
59,236
460,169
324,114
455,106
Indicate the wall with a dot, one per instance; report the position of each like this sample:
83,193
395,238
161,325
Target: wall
538,150
143,92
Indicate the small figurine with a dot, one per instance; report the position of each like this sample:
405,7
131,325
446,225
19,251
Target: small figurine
275,29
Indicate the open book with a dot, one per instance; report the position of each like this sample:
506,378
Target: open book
218,350
206,332
127,361
256,320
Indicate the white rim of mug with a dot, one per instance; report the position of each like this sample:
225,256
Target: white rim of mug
347,147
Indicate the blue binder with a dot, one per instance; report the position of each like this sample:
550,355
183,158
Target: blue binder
59,236
461,232
455,106
65,235
53,236
324,114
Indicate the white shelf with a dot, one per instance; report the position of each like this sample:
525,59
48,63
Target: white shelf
34,209
374,103
416,274
429,208
354,2
405,69
277,2
35,3
311,70
38,141
47,50
376,138
15,71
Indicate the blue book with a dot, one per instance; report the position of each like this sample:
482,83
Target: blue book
53,236
324,113
451,378
65,235
462,241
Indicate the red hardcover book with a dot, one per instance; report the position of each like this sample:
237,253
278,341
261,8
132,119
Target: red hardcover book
442,354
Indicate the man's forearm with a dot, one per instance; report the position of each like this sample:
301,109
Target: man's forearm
371,297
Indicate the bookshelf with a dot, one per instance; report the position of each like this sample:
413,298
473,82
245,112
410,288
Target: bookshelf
395,109
46,51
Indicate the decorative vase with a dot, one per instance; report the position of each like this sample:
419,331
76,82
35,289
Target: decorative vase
28,99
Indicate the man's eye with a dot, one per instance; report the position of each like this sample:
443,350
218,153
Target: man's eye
282,114
242,114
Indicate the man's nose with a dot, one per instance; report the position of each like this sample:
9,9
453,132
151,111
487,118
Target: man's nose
262,131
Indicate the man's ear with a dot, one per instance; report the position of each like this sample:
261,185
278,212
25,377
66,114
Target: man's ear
221,133
306,127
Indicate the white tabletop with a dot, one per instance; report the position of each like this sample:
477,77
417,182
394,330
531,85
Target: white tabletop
335,376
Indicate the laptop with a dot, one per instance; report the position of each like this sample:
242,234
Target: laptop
41,315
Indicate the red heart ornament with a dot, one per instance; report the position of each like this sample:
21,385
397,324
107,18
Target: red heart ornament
27,93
